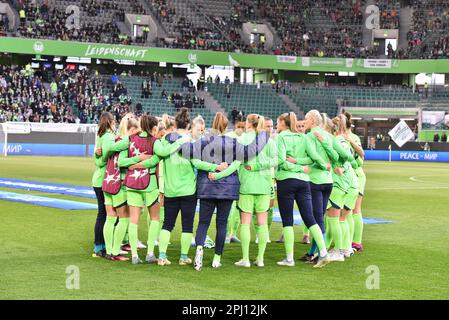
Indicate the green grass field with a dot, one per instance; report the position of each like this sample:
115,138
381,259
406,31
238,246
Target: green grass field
39,243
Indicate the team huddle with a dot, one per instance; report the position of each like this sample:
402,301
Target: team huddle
167,164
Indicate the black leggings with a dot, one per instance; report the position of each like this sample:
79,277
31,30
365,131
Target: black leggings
101,216
187,206
320,197
289,191
207,208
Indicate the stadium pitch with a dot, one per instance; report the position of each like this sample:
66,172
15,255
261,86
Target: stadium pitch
407,259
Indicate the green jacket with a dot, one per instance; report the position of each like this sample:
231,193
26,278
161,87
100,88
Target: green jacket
346,160
258,180
179,174
359,171
300,147
317,174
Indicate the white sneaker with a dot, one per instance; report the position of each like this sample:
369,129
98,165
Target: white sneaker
337,257
216,264
151,258
227,240
257,240
259,264
348,252
193,244
287,263
198,262
322,261
333,251
140,245
242,263
123,252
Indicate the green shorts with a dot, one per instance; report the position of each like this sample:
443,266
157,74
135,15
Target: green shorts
362,183
115,200
251,203
142,199
336,199
351,198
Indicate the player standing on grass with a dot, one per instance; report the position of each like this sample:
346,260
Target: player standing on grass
180,189
359,155
269,129
165,126
216,191
234,216
294,151
114,189
320,179
343,175
106,127
255,187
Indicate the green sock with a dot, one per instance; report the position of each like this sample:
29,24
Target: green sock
289,240
335,230
270,219
164,239
186,240
329,238
317,234
126,238
305,231
348,238
350,221
344,234
161,219
119,234
108,233
245,238
217,258
358,227
133,237
153,231
263,239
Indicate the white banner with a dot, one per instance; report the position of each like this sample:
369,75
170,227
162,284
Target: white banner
401,133
27,127
377,63
286,59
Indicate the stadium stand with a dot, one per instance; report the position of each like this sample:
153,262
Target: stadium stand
427,38
249,99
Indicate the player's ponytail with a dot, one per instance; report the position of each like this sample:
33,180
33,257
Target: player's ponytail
182,119
290,120
147,123
348,116
256,121
105,123
220,123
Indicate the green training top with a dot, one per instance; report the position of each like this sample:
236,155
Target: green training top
345,160
258,180
300,147
317,174
359,171
179,174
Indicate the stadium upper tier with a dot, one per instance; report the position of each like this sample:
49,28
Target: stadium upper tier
322,28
